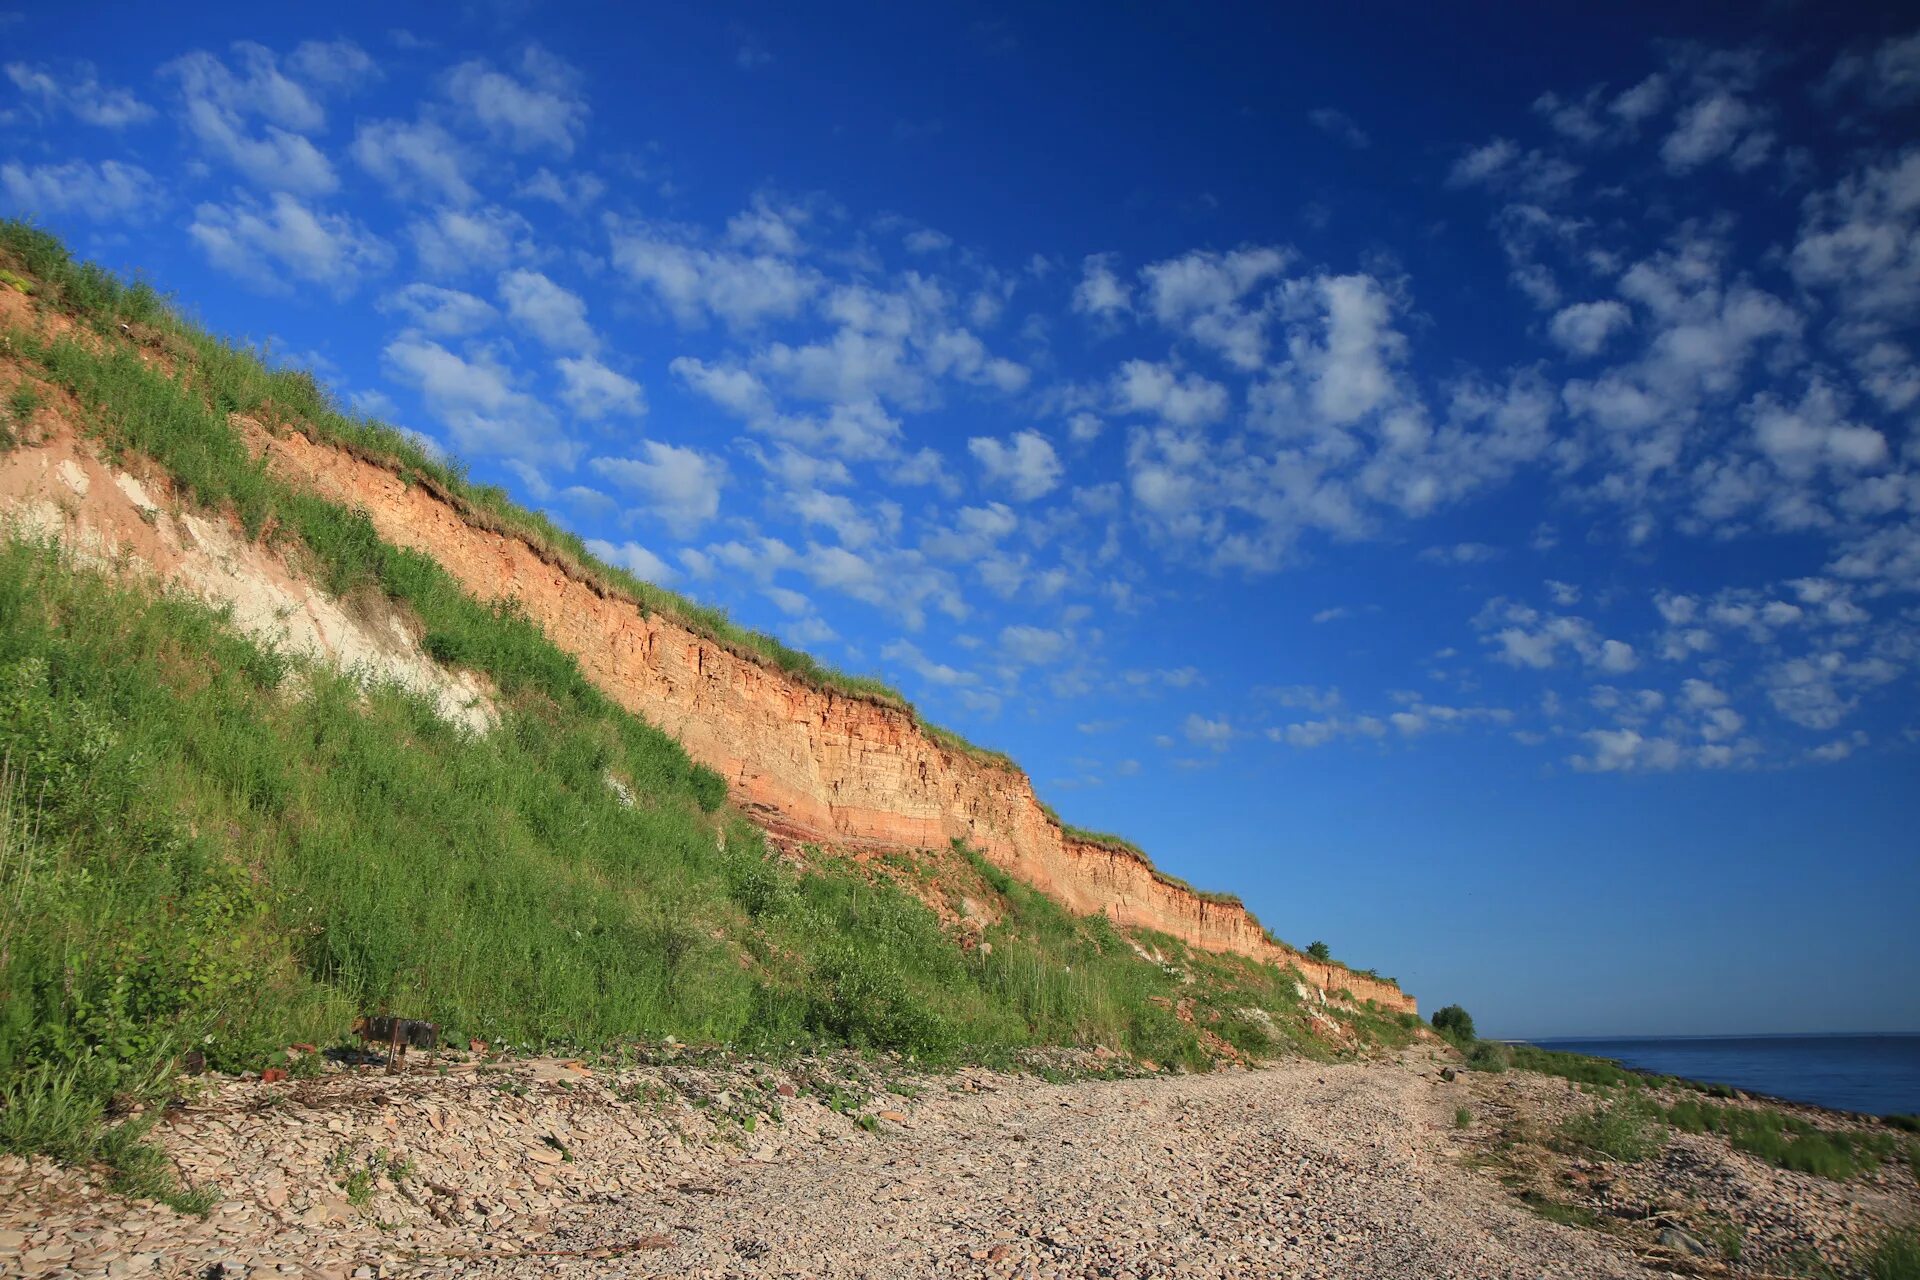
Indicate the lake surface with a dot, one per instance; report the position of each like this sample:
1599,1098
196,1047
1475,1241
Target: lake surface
1879,1075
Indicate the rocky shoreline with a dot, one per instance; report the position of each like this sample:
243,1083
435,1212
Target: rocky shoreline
708,1165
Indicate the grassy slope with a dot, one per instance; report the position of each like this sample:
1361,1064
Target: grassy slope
204,842
249,386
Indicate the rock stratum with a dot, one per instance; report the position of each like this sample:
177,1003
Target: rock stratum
807,763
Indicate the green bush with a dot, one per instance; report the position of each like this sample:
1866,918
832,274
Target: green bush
1625,1129
1455,1023
1320,951
1485,1055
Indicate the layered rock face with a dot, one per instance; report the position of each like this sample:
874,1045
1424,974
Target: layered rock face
807,763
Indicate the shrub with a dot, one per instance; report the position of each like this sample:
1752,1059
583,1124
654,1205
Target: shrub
1626,1129
1462,1117
1320,951
1484,1055
1455,1023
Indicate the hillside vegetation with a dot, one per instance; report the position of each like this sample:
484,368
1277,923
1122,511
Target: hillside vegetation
208,844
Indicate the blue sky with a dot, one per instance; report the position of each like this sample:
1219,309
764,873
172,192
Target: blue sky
1454,484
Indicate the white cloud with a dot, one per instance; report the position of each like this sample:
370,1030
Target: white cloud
283,238
594,391
1800,438
1216,735
1142,386
1034,646
553,314
1859,241
1888,76
635,559
741,289
573,192
539,110
220,104
908,655
334,64
1339,124
1024,464
76,90
1201,295
476,399
1525,637
1720,124
109,191
1501,165
438,311
1585,328
415,161
682,485
1460,553
1101,293
768,226
459,242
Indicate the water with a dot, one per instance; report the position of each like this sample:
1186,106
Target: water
1879,1075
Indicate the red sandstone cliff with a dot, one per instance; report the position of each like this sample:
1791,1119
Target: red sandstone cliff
819,765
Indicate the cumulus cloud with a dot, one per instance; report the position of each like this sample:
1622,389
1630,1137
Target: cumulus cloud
1887,76
1034,646
1201,731
74,89
1205,296
415,160
1188,400
594,391
438,311
538,110
1339,124
282,240
1585,328
107,192
635,559
475,396
551,313
1024,464
460,242
680,485
1101,292
696,284
255,117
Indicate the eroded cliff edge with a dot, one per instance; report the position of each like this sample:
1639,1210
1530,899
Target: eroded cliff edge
808,763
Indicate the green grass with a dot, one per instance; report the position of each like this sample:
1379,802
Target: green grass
1624,1128
1896,1256
1787,1141
1577,1067
1462,1118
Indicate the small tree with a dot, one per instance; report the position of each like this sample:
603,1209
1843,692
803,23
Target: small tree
1455,1023
1320,951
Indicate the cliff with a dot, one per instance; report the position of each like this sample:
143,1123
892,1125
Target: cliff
808,763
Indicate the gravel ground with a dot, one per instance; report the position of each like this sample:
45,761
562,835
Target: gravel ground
727,1168
1301,1171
